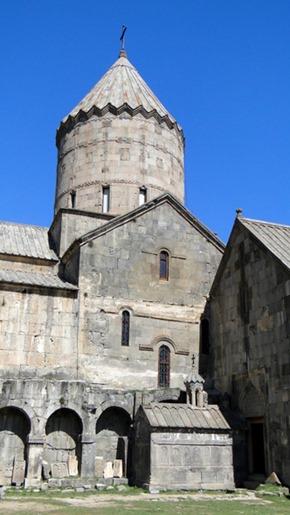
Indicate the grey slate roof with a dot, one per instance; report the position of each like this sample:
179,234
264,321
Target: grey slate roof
26,241
274,236
18,277
185,416
121,85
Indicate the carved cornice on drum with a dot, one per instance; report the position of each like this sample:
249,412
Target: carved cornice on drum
83,116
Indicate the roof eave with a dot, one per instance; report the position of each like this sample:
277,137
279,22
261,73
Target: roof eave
139,211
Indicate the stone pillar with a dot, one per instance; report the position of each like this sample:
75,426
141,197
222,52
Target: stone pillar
34,460
193,395
88,455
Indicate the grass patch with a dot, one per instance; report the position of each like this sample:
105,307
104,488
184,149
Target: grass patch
135,501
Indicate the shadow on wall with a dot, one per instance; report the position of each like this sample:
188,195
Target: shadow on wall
62,450
112,438
14,429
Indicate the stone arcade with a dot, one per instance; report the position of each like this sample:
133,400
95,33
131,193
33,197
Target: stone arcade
101,314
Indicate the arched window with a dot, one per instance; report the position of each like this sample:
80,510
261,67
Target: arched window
125,328
204,336
164,265
164,366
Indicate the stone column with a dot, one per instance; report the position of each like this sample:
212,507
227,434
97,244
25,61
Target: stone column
88,455
34,460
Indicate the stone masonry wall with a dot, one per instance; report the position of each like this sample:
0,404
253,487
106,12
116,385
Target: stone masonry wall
250,335
38,334
48,429
120,271
124,153
191,460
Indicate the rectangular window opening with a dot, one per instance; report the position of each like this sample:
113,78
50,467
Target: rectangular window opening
73,199
106,199
142,196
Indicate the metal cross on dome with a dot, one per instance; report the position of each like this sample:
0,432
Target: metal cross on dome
122,38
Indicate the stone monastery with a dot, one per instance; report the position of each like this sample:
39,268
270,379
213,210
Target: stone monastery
134,346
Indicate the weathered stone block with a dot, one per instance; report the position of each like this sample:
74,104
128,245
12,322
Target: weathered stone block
108,469
72,466
59,470
2,473
99,466
118,468
46,470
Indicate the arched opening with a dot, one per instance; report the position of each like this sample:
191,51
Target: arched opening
62,451
164,265
164,367
14,429
112,440
125,328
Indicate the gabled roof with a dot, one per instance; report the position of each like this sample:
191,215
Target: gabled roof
185,416
275,237
120,89
140,211
25,241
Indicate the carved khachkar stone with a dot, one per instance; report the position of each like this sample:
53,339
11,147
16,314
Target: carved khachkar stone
18,472
99,466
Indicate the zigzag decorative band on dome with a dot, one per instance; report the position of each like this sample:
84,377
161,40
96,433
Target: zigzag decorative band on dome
83,116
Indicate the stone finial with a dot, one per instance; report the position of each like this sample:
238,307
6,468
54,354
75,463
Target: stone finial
123,53
239,212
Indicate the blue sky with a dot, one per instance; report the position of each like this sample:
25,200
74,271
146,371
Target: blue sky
221,68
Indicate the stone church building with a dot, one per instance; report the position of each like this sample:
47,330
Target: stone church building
133,345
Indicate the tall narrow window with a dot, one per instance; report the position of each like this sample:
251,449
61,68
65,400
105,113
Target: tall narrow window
164,366
204,336
164,265
142,196
125,328
73,199
106,199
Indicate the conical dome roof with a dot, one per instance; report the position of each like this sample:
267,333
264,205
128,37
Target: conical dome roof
120,87
119,140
